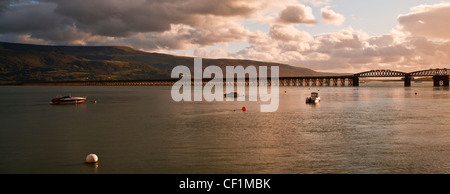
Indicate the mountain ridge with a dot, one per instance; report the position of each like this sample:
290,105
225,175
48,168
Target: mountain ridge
30,62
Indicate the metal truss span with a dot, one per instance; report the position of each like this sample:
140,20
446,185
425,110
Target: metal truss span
431,72
381,73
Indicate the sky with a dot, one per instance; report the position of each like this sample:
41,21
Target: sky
324,35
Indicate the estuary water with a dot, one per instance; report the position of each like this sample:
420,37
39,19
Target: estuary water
375,128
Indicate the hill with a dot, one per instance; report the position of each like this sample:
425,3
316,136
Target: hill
26,62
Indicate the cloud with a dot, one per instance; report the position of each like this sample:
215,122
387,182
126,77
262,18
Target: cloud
287,33
117,18
181,36
331,17
297,14
38,21
290,39
427,20
219,52
419,42
25,38
29,17
205,27
347,50
4,5
120,18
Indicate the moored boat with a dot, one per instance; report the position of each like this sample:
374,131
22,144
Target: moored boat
68,100
231,94
314,98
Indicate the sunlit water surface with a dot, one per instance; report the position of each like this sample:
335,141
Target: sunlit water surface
375,128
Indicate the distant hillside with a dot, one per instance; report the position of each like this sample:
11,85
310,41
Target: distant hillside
25,62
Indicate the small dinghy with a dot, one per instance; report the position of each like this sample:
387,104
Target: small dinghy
313,99
231,95
68,100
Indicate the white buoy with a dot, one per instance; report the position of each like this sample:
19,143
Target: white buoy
91,158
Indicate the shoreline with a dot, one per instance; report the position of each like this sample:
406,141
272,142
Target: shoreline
162,82
168,82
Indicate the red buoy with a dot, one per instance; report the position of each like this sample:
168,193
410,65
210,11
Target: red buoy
244,108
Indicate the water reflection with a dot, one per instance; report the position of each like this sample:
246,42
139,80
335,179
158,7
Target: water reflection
444,88
93,167
370,129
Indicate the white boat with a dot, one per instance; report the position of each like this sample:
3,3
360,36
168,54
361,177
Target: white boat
314,98
68,100
231,94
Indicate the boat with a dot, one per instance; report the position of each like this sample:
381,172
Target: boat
231,94
314,98
68,100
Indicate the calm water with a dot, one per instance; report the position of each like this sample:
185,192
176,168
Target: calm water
377,128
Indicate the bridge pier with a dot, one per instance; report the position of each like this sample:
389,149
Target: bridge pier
407,81
437,79
327,81
355,81
335,81
342,81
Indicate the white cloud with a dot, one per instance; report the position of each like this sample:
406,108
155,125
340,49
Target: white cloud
331,17
288,33
297,14
430,21
218,52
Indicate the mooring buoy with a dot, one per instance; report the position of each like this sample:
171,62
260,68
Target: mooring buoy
91,158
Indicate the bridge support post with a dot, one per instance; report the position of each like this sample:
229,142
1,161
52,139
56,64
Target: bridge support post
320,81
355,81
327,81
342,81
437,79
407,81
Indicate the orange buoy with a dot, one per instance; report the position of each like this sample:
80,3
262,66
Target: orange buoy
244,108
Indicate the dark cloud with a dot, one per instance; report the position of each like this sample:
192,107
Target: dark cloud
219,7
4,5
39,21
117,18
122,18
29,18
82,20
